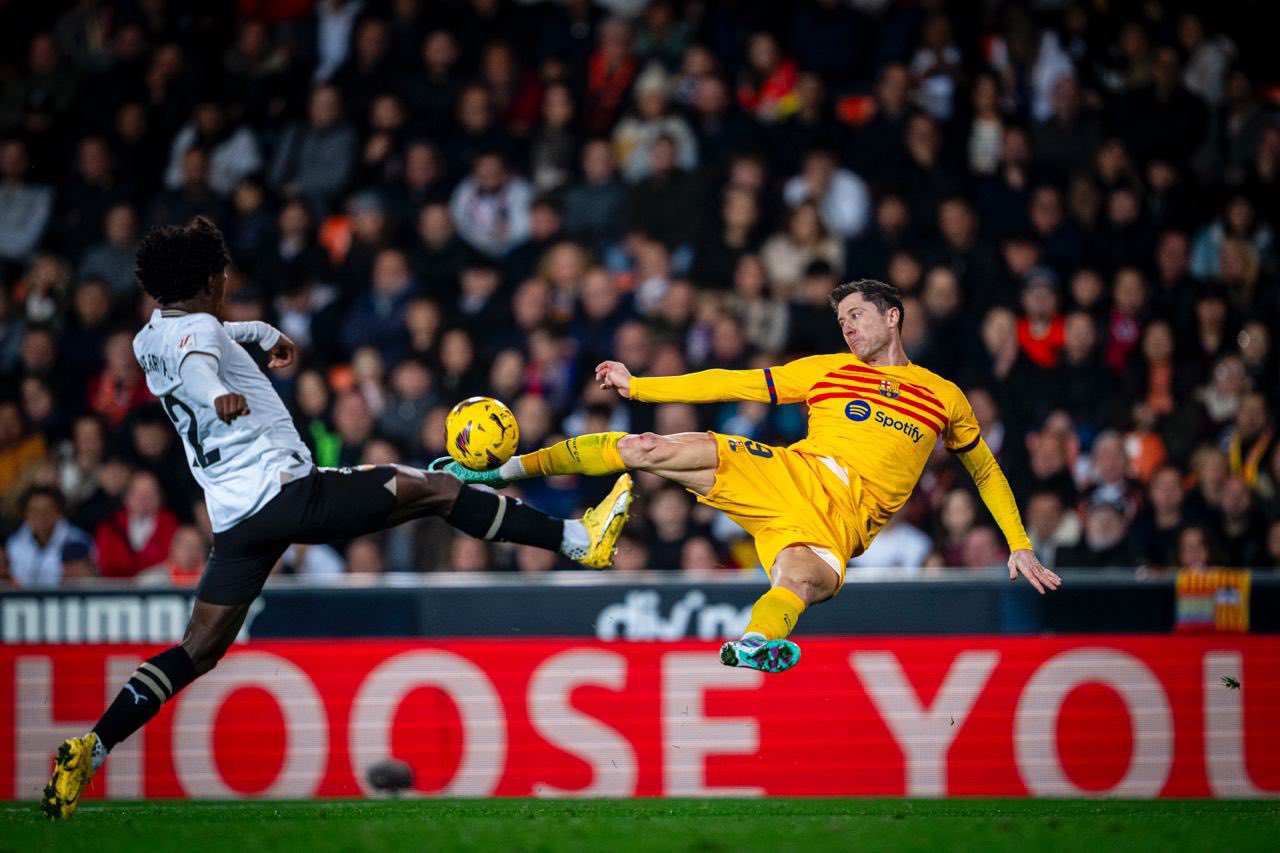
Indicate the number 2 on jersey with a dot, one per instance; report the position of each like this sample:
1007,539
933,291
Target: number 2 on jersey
203,460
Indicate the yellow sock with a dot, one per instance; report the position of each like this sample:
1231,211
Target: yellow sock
775,614
593,454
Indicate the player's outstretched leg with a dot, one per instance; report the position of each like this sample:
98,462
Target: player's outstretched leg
591,540
800,578
209,634
688,459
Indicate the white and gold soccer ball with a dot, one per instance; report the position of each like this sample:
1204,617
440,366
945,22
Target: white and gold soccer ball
481,433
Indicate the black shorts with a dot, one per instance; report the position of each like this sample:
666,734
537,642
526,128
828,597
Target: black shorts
327,505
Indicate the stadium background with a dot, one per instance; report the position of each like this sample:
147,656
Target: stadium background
441,199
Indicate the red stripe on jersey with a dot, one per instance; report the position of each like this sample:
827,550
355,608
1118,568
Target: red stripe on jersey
926,405
846,395
917,389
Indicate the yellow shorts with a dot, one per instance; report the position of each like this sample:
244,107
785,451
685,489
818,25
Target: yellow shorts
785,498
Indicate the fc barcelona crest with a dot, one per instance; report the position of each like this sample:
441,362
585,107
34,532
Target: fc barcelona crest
890,389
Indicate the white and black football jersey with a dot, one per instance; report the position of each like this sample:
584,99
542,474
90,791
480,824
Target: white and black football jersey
239,465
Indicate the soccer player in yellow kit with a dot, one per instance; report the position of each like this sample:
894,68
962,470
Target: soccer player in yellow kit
873,420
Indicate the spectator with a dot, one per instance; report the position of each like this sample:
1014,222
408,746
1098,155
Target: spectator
595,207
184,563
662,205
637,134
610,72
890,234
1154,530
315,159
1197,549
786,254
335,23
491,207
120,388
1068,137
1080,373
767,86
1041,330
1106,473
378,319
20,451
139,535
719,127
1052,529
698,555
936,67
112,258
232,151
1249,438
840,195
1104,543
25,208
554,146
46,549
983,549
716,256
1241,528
194,197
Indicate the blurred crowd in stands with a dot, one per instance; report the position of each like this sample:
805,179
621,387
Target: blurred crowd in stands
439,199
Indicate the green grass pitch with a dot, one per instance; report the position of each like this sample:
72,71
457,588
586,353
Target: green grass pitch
705,826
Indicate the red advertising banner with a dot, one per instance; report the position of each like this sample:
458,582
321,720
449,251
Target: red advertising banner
1168,716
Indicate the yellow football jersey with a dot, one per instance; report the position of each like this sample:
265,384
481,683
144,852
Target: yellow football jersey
880,422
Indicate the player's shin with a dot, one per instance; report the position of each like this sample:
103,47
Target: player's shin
775,614
594,454
499,518
155,682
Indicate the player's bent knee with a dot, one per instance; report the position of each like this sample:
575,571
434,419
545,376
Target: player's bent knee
812,586
206,648
428,494
644,449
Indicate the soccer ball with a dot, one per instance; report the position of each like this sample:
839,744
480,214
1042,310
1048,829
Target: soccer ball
481,433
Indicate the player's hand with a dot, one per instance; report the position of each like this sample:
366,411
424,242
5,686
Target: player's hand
1024,562
614,374
283,353
230,406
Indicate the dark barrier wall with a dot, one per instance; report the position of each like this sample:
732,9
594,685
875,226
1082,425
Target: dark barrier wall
612,608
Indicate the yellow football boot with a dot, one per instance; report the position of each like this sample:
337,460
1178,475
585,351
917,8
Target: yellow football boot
604,525
72,771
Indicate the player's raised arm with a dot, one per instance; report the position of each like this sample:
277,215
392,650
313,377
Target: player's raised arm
981,464
963,438
267,336
785,384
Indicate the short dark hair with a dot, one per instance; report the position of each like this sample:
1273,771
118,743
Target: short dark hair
38,491
878,293
175,262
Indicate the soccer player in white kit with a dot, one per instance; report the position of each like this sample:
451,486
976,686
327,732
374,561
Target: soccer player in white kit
262,489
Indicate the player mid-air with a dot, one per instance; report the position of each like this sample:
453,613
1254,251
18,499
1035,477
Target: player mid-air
262,489
874,418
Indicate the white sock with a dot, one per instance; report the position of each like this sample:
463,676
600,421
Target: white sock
99,754
512,469
576,541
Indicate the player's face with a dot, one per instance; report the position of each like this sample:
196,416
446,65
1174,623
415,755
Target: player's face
866,329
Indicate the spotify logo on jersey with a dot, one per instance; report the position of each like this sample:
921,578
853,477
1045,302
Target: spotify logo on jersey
857,410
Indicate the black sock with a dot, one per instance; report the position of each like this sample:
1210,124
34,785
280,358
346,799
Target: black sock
499,518
151,685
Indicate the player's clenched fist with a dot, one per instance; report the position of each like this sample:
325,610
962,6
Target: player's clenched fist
230,406
614,374
282,354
